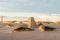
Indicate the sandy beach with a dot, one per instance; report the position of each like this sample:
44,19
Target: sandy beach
5,34
29,19
35,35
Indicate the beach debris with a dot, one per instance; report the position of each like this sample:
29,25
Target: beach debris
31,23
22,29
46,28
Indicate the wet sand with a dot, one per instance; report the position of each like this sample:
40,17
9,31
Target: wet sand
36,35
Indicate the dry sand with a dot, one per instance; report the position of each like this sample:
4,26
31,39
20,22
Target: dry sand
5,34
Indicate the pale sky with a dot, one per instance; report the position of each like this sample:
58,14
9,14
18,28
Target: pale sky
29,7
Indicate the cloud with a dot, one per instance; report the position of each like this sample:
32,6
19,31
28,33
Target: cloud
2,5
15,5
23,0
51,17
5,6
42,6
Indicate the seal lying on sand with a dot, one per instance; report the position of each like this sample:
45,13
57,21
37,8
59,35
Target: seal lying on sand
22,29
46,28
